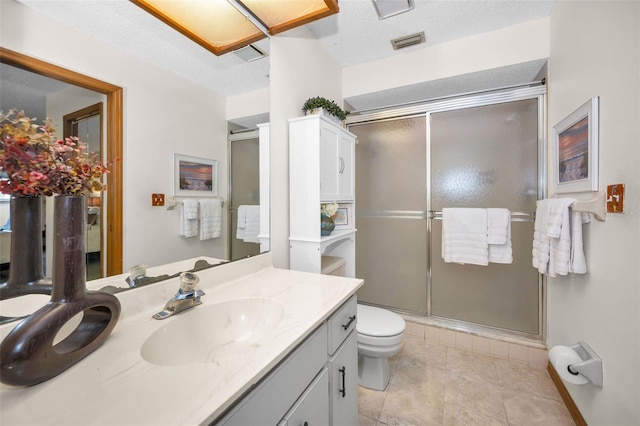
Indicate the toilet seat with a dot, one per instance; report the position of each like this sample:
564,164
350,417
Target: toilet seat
379,323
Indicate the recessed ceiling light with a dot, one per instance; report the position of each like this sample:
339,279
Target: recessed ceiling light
388,8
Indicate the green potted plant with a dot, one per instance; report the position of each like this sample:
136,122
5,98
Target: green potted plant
319,104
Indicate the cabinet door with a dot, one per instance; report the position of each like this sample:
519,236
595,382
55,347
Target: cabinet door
312,409
346,168
343,390
329,162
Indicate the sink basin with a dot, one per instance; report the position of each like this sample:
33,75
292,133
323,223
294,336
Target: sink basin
208,334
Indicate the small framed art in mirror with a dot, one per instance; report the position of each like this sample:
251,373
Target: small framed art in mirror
193,176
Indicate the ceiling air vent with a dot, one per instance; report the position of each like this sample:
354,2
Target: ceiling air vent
250,53
410,40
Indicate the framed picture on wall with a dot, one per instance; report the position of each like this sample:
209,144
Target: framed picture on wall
193,176
575,147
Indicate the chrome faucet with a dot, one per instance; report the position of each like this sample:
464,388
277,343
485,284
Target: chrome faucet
137,273
187,297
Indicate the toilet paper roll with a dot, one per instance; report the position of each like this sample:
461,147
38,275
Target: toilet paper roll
561,357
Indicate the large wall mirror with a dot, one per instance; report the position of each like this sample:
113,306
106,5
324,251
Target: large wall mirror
84,107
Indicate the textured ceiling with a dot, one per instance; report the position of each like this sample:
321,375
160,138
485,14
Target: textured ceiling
353,36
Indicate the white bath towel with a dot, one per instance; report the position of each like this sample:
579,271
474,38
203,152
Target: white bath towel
464,236
541,241
189,218
252,224
557,238
210,218
499,235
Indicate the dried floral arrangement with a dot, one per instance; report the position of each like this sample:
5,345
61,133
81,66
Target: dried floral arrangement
35,163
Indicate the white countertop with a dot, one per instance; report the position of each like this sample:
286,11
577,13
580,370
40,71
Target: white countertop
116,386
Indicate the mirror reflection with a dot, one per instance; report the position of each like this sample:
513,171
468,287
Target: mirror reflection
80,112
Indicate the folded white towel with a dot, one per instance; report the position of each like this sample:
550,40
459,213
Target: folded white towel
189,218
252,224
210,219
464,236
241,222
499,235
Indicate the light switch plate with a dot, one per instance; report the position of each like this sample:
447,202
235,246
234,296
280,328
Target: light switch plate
615,198
157,199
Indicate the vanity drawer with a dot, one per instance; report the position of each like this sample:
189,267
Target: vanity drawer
341,323
274,396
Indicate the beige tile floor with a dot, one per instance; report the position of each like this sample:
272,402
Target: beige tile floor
436,384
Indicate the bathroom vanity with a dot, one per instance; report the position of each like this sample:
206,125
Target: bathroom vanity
266,346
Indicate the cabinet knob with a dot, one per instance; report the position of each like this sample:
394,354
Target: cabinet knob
343,371
306,424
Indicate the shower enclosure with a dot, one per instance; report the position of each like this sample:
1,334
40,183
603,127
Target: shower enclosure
475,151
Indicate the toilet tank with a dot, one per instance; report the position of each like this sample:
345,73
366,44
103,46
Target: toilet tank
332,265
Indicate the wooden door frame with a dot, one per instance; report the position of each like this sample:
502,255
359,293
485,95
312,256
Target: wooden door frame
114,142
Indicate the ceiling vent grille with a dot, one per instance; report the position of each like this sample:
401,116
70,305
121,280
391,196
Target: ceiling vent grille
410,40
250,53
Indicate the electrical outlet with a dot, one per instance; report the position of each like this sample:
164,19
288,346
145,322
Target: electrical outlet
615,198
157,199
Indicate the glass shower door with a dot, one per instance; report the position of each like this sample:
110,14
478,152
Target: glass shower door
486,156
391,242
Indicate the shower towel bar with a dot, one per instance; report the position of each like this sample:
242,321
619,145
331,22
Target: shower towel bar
515,216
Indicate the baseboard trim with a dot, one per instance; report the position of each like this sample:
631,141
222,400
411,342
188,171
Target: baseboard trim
566,396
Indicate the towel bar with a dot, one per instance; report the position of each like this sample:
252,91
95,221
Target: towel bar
515,216
172,203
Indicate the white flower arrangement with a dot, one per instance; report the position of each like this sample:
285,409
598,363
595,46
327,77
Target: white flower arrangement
329,209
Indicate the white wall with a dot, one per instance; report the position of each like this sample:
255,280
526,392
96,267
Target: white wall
300,69
248,104
595,51
163,114
507,46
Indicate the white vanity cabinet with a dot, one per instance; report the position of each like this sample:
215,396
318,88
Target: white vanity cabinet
315,385
321,170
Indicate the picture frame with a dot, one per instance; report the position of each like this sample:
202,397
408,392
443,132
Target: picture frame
194,176
341,217
575,149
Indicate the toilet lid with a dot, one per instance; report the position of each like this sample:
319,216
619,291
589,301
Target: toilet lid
374,321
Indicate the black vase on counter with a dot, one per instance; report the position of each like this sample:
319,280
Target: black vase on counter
25,259
29,355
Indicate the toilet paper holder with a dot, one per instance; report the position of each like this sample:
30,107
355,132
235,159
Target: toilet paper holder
591,365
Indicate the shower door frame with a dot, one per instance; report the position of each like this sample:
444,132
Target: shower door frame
456,103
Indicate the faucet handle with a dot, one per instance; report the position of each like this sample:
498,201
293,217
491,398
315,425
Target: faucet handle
188,282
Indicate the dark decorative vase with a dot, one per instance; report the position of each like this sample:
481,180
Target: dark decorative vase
25,263
28,354
327,225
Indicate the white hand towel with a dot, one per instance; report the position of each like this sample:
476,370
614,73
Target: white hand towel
252,226
560,255
578,260
210,219
189,218
499,235
558,207
541,241
464,236
498,222
241,222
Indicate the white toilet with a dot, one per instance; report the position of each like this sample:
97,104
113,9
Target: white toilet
380,336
